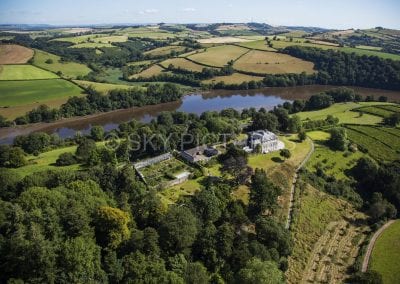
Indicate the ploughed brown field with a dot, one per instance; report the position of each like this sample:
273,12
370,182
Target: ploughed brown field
14,54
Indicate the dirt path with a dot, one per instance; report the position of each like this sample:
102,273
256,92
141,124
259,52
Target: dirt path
372,244
294,181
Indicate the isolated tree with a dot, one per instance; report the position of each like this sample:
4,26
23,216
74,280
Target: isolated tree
285,153
85,149
65,159
338,140
392,120
302,135
97,133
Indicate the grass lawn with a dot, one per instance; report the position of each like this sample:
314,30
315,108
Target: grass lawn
183,63
265,62
68,69
218,56
326,242
386,254
235,78
24,72
343,112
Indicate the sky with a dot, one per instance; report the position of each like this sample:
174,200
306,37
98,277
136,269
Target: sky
336,14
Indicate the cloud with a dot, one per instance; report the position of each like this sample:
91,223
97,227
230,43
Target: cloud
148,11
188,9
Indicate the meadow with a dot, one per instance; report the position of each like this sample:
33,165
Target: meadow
380,110
103,88
151,71
166,50
386,253
272,63
24,72
256,44
68,69
14,54
218,56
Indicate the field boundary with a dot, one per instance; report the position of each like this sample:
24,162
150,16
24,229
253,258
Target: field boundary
371,245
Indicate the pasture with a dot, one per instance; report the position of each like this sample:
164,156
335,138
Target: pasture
344,112
165,50
24,72
224,39
149,72
182,63
235,78
18,97
218,56
326,238
68,69
103,88
386,253
380,110
257,44
334,163
14,54
360,51
263,62
92,45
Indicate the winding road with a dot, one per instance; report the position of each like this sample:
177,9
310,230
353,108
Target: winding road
294,181
372,244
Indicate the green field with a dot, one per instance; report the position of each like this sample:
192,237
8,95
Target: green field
386,254
235,78
182,63
264,62
334,163
218,56
343,111
46,161
380,144
151,71
380,110
166,50
68,69
24,72
103,88
360,51
19,93
257,44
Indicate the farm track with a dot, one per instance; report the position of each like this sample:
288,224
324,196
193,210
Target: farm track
293,185
372,244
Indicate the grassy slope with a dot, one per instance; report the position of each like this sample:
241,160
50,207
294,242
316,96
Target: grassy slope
24,72
166,50
272,63
14,54
218,56
235,78
102,87
344,113
183,63
386,254
68,69
325,244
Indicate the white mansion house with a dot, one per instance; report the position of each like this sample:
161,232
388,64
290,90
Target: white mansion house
269,141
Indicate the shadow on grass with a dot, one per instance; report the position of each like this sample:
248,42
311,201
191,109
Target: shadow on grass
277,160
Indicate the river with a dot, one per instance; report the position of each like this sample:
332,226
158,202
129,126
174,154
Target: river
192,103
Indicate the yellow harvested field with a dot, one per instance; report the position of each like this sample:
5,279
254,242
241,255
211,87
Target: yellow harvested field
264,62
218,56
14,54
166,50
224,39
149,72
183,63
235,78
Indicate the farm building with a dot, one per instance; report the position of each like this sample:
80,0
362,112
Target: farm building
199,153
269,141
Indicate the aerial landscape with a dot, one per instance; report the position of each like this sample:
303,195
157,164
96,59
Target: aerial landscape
200,142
